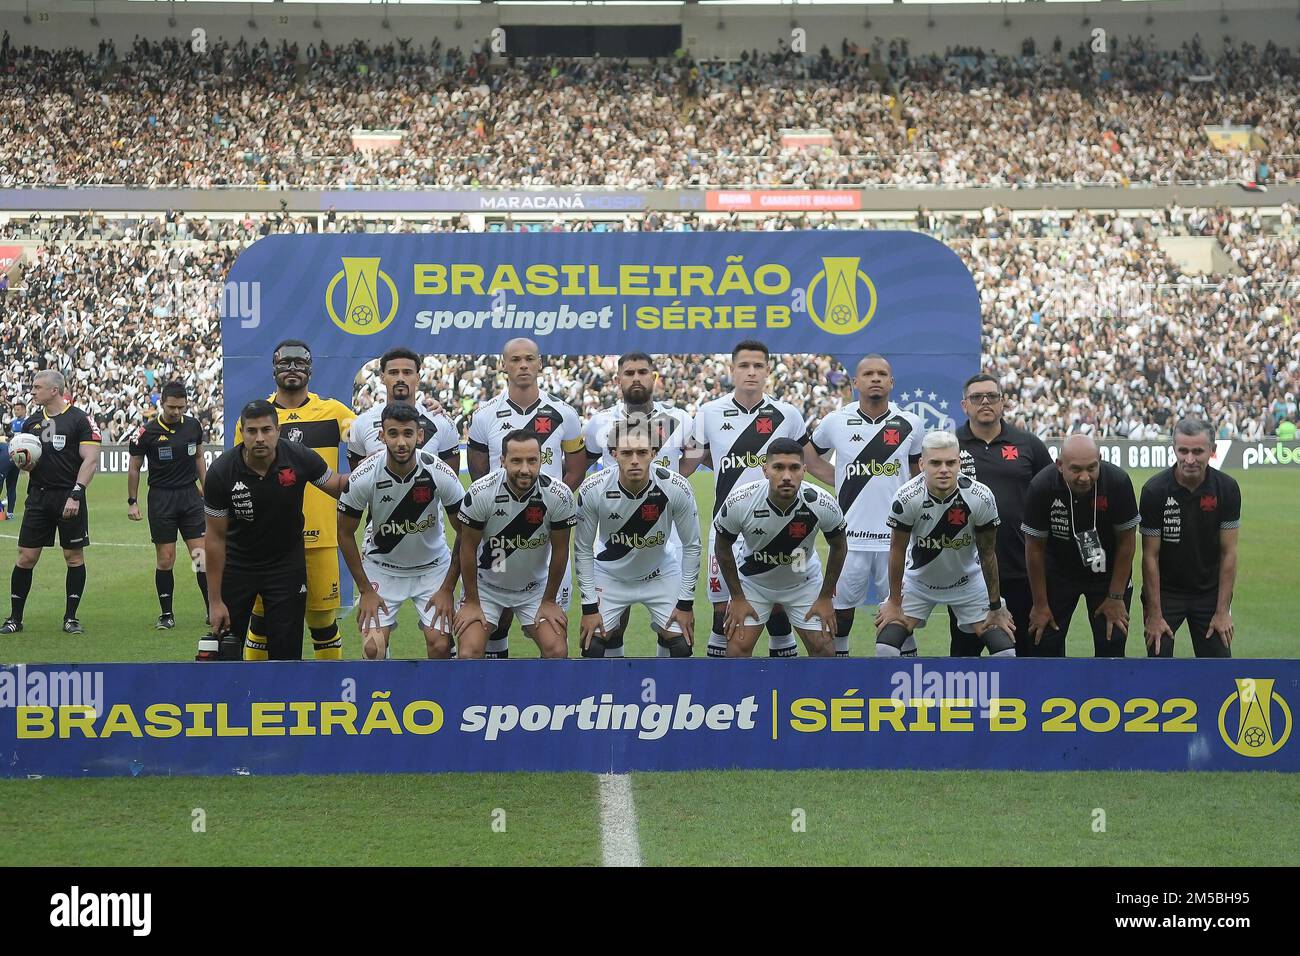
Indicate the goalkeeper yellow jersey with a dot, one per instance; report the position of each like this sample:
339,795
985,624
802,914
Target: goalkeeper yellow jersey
321,424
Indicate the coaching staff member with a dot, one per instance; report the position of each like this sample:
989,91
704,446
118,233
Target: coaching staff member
1005,459
1080,527
1190,516
253,502
56,497
173,445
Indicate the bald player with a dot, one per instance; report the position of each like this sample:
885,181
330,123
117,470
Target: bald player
523,406
1080,525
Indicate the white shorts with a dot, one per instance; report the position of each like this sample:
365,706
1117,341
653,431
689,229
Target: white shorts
659,595
394,589
865,575
797,602
719,593
563,597
969,601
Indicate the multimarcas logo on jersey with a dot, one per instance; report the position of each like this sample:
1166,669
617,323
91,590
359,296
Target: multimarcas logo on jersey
1263,719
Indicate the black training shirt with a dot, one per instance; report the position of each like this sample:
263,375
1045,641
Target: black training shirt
264,512
1006,465
1188,525
1048,507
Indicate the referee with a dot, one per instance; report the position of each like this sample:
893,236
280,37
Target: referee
1004,458
1190,517
56,493
173,445
253,500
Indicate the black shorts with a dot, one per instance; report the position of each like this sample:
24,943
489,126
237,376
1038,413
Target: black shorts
175,509
284,602
43,513
1197,610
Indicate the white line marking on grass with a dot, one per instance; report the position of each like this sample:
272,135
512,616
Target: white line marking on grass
93,544
618,840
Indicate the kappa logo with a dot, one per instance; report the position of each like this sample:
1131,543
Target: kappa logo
842,311
293,417
855,437
728,427
615,517
388,498
1258,732
303,589
362,313
1171,503
239,486
500,513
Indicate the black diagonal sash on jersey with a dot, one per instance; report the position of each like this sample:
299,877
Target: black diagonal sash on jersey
747,442
876,450
637,524
519,526
408,509
923,556
783,542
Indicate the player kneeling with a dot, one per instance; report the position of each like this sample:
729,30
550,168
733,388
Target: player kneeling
945,532
514,550
626,551
406,553
778,519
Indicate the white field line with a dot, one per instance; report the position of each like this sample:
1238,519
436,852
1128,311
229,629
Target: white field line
618,835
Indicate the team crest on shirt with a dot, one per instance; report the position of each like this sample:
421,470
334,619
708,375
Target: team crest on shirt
891,437
534,514
1209,502
1102,503
294,435
287,477
798,530
543,426
1010,453
764,425
650,512
421,494
956,516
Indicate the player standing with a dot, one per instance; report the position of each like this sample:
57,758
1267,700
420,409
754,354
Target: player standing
515,528
525,407
399,370
731,434
877,449
943,551
173,445
406,553
623,547
320,424
56,498
636,382
778,517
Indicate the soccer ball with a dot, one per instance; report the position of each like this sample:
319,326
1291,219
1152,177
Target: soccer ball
25,448
362,314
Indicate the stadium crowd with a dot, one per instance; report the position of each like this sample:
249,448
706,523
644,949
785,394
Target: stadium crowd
1125,352
248,114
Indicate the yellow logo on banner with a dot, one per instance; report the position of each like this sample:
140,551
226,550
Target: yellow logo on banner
1256,733
841,314
361,315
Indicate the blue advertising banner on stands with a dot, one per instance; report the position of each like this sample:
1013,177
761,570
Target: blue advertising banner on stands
617,716
844,294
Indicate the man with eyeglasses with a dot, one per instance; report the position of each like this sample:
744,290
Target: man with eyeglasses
1004,458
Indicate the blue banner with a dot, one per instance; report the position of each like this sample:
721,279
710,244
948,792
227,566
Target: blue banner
844,294
603,716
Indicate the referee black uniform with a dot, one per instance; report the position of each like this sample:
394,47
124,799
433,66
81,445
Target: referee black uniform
264,547
173,474
53,478
1056,514
1006,465
1188,523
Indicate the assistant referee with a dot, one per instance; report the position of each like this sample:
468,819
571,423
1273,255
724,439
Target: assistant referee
253,501
172,443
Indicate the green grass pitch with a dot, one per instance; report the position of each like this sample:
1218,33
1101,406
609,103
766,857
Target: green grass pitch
703,818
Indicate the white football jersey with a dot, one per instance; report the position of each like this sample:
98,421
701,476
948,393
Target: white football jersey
773,539
555,423
942,553
674,428
515,552
440,435
405,534
628,536
737,438
872,461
